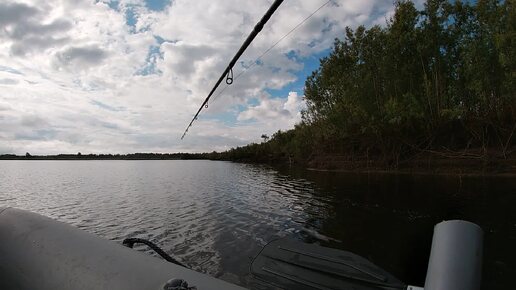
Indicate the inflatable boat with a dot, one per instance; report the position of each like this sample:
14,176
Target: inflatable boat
37,252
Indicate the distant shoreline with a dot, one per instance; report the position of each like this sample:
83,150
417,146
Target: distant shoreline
430,163
133,156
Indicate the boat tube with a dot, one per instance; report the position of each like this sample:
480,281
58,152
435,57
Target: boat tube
37,252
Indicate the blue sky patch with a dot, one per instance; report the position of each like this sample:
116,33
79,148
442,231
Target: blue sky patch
157,5
131,18
113,4
310,64
150,62
152,56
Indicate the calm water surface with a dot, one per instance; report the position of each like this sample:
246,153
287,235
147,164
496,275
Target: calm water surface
215,216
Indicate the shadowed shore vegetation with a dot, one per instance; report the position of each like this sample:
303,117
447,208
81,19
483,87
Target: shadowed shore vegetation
432,90
433,85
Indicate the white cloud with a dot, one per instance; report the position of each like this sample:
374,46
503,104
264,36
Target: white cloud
78,76
275,114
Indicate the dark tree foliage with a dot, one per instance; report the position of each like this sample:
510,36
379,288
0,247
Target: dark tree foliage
443,77
441,80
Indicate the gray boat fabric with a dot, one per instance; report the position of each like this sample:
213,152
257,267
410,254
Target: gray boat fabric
38,253
289,264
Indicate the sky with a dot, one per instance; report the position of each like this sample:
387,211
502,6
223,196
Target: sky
127,76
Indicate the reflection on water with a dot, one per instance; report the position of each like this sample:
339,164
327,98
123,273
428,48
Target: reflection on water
215,216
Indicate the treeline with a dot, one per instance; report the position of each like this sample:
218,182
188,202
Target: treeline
439,80
133,156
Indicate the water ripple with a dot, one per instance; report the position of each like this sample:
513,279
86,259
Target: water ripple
215,216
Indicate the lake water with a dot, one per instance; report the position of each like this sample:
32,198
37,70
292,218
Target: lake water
215,216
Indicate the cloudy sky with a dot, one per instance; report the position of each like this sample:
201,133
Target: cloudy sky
127,76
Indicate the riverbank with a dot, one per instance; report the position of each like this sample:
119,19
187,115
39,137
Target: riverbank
435,162
405,98
467,162
421,165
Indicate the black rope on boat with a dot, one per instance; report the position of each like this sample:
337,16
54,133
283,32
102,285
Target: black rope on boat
129,242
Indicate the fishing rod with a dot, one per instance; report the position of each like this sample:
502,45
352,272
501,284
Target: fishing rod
228,72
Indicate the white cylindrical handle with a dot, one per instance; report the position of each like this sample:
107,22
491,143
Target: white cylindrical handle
456,257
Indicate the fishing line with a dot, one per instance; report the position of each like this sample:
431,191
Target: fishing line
257,28
256,61
228,72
